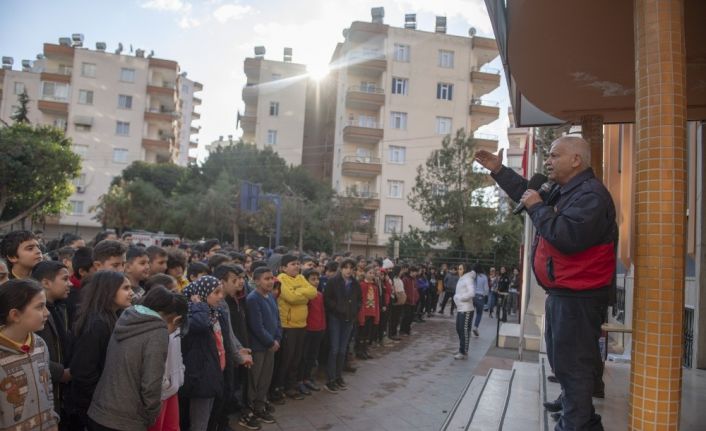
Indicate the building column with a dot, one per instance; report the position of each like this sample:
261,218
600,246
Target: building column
592,132
660,214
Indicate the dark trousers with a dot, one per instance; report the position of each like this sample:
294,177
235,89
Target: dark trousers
502,305
292,355
573,327
407,317
339,334
382,327
422,304
312,346
464,320
478,304
365,333
432,300
395,316
447,296
95,426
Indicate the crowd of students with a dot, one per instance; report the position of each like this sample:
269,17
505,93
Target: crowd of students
125,337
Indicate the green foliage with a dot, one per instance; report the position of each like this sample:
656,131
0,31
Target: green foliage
21,115
164,176
36,169
414,245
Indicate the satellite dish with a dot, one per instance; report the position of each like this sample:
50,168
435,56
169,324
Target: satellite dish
472,31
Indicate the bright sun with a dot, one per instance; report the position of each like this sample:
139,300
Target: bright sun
318,71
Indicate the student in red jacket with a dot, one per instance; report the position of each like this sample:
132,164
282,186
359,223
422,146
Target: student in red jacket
369,313
410,289
315,329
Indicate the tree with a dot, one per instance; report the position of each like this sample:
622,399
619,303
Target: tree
36,169
448,194
22,112
413,245
164,176
113,208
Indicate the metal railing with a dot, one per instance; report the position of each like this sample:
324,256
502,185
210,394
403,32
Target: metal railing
161,111
688,350
485,69
482,102
66,71
619,308
488,136
365,124
362,194
362,159
366,89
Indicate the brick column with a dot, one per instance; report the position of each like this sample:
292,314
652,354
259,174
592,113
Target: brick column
660,203
592,132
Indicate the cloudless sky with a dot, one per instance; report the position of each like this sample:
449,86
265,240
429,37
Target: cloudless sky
211,38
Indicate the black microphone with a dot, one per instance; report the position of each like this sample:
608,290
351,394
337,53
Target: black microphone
537,182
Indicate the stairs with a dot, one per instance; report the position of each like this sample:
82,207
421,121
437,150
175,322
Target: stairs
503,400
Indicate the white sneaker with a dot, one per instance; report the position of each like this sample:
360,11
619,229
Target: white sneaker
459,356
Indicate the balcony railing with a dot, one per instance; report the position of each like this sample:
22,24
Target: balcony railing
366,89
486,69
362,194
488,136
365,124
362,159
488,103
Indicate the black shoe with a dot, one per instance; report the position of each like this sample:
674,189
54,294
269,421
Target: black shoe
294,394
265,417
331,387
249,421
341,384
553,406
553,379
269,408
277,397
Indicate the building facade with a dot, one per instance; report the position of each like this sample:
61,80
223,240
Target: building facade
116,108
400,91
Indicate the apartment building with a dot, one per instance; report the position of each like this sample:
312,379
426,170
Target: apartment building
116,107
400,91
275,103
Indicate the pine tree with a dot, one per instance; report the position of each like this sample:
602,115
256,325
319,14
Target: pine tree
21,115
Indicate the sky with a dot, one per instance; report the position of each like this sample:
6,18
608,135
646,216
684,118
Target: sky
211,38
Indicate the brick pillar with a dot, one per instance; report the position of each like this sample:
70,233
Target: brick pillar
592,132
660,204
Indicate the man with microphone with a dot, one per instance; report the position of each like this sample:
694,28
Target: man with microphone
573,258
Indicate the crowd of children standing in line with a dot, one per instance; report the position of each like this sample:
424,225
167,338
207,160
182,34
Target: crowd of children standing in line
124,337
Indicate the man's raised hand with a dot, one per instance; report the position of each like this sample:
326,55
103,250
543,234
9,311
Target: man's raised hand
489,160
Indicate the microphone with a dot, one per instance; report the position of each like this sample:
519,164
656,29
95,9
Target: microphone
537,182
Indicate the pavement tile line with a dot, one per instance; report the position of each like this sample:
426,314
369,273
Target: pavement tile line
507,400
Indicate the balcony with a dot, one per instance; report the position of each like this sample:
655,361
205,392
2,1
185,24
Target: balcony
483,112
252,69
192,160
357,166
367,63
164,64
250,93
52,51
247,122
484,80
198,86
159,145
361,238
160,115
57,75
196,100
363,133
362,32
193,145
53,107
485,141
194,130
195,115
370,200
165,89
485,49
365,98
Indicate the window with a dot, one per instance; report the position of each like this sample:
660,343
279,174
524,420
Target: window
122,128
76,207
124,102
271,137
443,125
88,70
120,155
274,109
85,97
401,52
55,91
19,87
127,75
367,121
395,189
438,190
80,183
444,91
393,224
446,59
400,85
82,127
60,123
397,154
81,150
399,120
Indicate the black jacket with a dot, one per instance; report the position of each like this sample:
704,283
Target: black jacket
87,362
572,218
338,303
239,319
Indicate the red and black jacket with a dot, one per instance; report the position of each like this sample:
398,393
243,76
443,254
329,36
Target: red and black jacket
574,248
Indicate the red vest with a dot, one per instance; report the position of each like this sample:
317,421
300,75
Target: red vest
592,268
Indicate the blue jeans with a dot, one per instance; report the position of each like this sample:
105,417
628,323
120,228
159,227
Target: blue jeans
478,303
492,299
339,333
464,319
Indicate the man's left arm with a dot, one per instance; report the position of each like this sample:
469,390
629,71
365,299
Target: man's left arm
580,225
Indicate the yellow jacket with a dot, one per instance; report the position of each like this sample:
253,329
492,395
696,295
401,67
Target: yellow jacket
295,294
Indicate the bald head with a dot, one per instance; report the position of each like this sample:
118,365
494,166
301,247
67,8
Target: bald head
574,145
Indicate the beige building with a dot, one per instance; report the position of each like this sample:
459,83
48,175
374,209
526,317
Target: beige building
400,91
275,104
117,109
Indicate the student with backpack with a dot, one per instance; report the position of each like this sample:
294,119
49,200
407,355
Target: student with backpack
27,401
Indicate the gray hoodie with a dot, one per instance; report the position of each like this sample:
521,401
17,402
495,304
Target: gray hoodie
128,394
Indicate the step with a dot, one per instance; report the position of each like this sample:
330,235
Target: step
509,337
460,414
548,391
492,401
521,413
